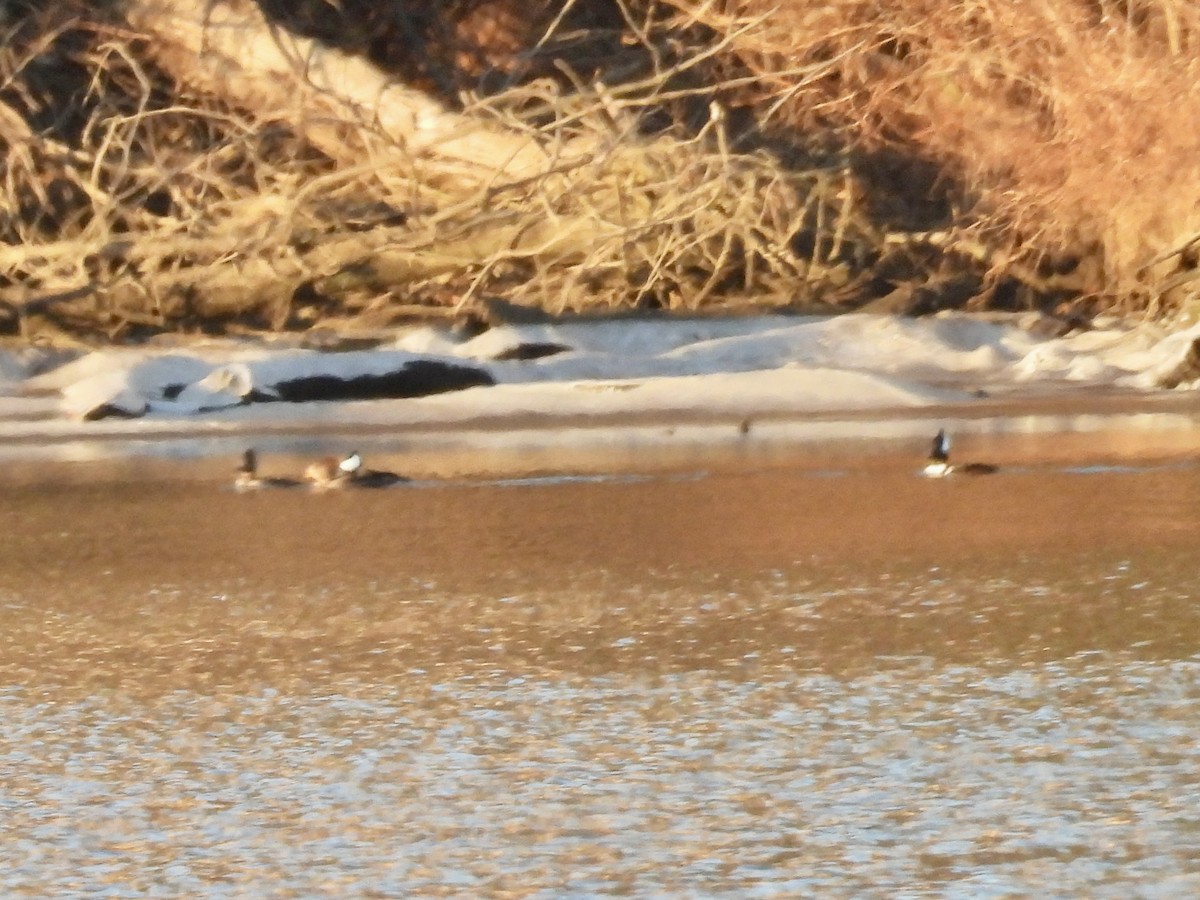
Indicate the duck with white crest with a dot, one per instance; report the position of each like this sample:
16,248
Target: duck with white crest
348,471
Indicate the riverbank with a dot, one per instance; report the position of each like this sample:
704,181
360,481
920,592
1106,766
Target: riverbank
555,395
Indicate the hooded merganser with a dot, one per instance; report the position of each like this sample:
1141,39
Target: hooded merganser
352,465
938,465
329,472
248,478
332,472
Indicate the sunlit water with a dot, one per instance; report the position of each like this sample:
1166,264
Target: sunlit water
773,717
979,727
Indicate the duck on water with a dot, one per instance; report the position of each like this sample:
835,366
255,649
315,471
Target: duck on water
325,474
939,466
333,473
248,479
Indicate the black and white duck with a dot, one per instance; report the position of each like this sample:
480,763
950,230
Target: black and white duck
938,464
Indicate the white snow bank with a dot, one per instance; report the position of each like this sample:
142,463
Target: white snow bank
131,384
731,394
640,349
739,366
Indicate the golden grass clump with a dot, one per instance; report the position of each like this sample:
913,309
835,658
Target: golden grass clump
1067,124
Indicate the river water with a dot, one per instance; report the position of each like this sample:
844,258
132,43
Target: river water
770,681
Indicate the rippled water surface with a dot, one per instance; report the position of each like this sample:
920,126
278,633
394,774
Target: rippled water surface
770,684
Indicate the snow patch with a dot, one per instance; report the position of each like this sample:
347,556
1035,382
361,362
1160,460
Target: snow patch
736,366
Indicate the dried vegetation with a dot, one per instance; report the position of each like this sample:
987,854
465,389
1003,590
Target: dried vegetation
630,154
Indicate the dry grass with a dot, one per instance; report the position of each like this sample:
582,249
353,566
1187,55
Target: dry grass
188,215
798,154
1064,125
